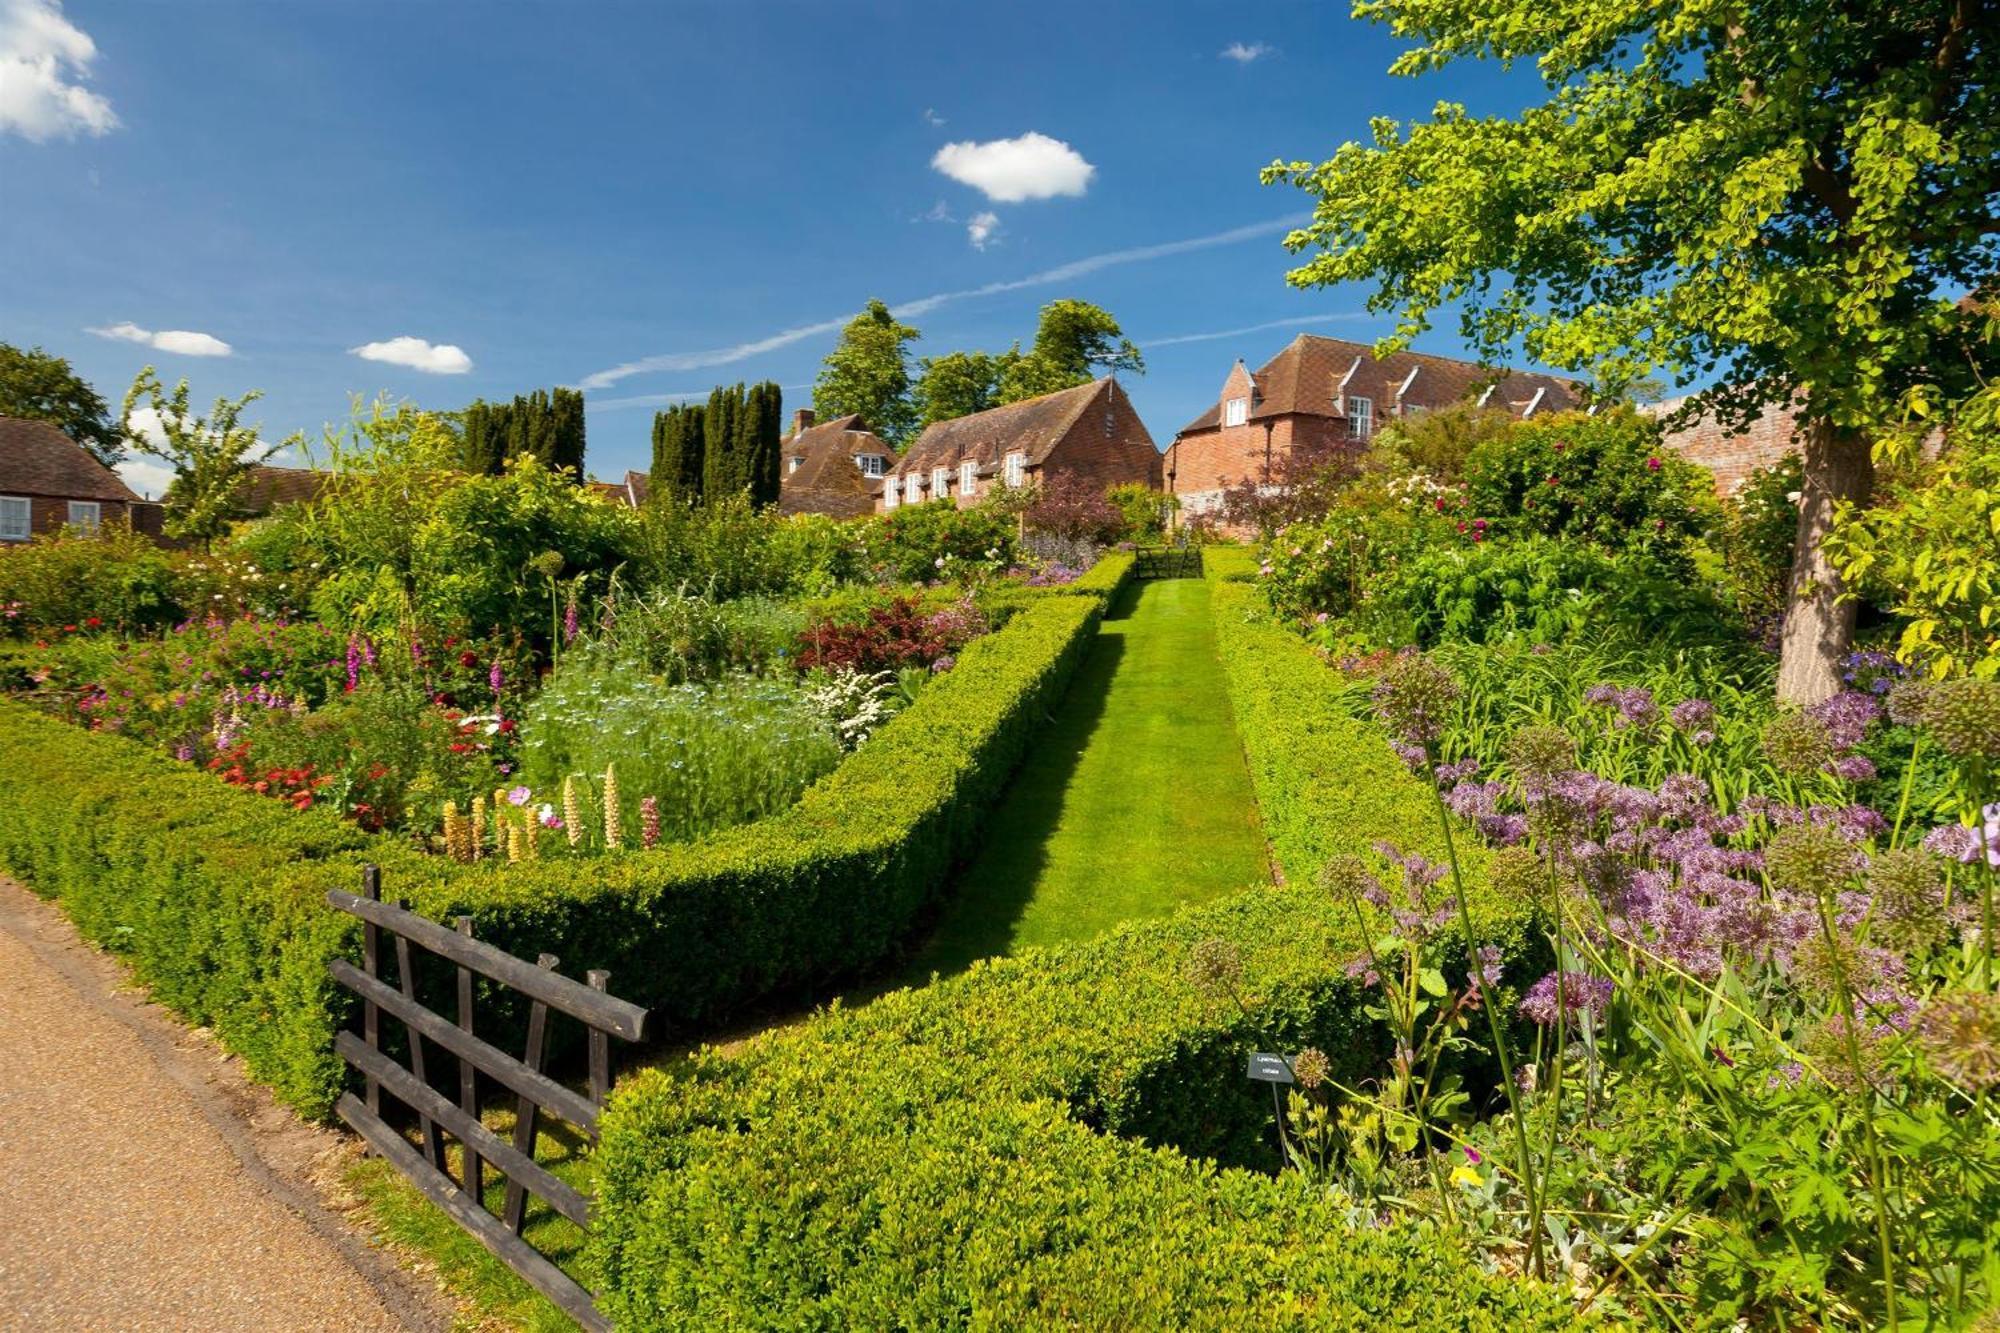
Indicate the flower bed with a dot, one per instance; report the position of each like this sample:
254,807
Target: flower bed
216,894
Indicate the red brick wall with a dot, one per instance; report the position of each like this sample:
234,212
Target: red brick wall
1107,446
1217,460
49,516
1733,456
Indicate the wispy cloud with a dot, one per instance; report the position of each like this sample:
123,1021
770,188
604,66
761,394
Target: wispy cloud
1013,171
1294,322
923,305
181,342
417,354
669,399
982,229
1245,52
932,118
44,59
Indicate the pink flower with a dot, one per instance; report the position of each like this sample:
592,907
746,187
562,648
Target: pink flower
1652,465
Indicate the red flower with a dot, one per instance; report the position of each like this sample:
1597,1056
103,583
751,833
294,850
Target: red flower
1653,464
1553,480
94,622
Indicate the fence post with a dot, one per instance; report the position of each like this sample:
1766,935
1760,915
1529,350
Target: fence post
600,1044
525,1107
468,1078
371,961
406,978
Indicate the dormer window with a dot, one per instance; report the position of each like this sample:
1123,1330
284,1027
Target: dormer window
940,482
797,462
1360,417
1236,411
870,464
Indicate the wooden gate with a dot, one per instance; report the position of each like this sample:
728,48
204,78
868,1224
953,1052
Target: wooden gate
1180,561
437,1115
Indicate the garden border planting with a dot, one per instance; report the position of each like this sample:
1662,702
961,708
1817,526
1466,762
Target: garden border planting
216,895
1023,1144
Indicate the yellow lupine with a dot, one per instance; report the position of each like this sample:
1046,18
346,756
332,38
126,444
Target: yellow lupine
572,811
614,828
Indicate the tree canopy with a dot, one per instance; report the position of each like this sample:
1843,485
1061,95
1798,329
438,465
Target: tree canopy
211,456
547,424
40,386
1784,196
869,372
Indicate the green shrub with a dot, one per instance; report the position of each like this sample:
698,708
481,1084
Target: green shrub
114,580
1021,1145
938,540
216,895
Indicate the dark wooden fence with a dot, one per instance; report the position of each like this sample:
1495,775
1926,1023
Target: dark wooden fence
1180,561
436,1115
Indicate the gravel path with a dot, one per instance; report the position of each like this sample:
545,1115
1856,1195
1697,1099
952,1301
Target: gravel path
144,1183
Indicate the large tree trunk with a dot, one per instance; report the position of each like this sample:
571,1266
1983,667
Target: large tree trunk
1819,626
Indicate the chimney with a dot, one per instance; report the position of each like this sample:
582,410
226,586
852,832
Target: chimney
802,420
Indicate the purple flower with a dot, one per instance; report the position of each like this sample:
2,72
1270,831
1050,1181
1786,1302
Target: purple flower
1603,695
1853,768
1694,718
519,796
1847,717
1636,708
1581,993
569,623
495,677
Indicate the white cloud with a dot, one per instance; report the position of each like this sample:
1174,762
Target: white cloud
1245,52
1011,171
148,476
938,212
43,58
417,354
181,342
923,305
932,118
982,229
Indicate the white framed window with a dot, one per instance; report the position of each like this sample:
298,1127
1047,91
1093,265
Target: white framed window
870,464
1236,411
15,523
913,489
889,494
968,477
85,514
797,463
940,482
1017,464
1361,418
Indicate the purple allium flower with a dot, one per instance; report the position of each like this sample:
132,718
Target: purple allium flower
1602,695
1847,717
1853,768
1694,718
1581,993
943,664
1636,708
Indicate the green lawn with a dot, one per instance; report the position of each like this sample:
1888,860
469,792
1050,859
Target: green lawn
1132,802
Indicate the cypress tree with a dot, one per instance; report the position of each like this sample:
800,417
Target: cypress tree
688,450
760,445
722,471
566,427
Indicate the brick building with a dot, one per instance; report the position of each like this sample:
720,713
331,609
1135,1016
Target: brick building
48,482
1326,393
1090,432
1732,455
832,467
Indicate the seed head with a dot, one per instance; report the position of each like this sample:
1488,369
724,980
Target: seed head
1810,858
1347,877
1907,701
1961,1035
1214,967
1797,744
1540,753
1964,717
1907,886
1311,1067
1413,698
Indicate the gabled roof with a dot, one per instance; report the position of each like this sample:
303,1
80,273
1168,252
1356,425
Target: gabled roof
36,458
268,487
1031,427
829,450
637,486
1306,376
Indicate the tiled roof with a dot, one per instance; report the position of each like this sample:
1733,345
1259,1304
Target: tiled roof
1307,375
829,450
1032,426
38,459
637,486
268,487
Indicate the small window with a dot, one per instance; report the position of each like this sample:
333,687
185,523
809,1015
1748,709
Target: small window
1016,468
1361,418
889,494
797,463
1236,411
940,482
85,514
870,464
968,477
913,489
14,521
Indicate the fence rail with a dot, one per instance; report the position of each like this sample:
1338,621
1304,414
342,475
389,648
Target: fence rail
425,1163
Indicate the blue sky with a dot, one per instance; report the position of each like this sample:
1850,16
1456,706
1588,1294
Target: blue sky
641,198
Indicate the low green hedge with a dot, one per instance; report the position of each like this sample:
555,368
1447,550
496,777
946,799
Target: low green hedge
1056,1139
216,895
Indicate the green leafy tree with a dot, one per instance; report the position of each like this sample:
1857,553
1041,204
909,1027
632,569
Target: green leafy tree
547,425
41,387
1074,341
958,384
211,456
869,372
677,455
1782,194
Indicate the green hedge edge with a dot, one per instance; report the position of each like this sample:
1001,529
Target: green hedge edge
216,897
1044,1140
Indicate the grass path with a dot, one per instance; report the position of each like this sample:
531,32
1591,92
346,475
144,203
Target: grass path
1133,802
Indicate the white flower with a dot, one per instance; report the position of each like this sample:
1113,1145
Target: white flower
940,562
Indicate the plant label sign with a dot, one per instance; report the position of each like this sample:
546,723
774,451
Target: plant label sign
1268,1068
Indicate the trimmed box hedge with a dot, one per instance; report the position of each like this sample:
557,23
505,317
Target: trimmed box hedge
216,895
1048,1139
